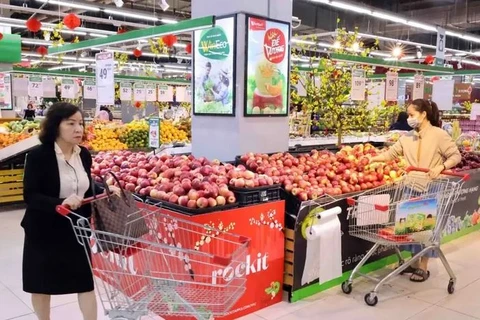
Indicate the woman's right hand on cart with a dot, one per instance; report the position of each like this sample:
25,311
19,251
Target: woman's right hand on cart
73,202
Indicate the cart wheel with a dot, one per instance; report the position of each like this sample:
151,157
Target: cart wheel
346,287
451,287
371,299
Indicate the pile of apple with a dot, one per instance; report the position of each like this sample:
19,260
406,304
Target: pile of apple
183,180
310,176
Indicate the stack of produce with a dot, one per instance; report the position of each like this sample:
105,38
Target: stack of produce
187,181
22,126
469,161
170,133
185,124
103,136
312,175
7,139
135,134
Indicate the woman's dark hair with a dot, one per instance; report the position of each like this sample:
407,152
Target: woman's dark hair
430,108
29,105
402,117
55,115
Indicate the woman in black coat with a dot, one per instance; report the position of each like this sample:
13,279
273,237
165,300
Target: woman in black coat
57,173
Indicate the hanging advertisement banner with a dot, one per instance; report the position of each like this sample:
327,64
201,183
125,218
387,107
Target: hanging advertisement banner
104,77
440,52
125,91
267,79
418,87
68,88
391,90
35,86
214,69
89,89
165,93
357,92
151,92
139,92
49,88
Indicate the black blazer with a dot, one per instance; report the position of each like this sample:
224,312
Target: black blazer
41,189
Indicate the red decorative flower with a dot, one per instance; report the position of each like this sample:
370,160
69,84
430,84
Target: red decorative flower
121,30
169,40
1,36
42,50
429,59
137,104
137,53
188,76
72,21
189,48
33,25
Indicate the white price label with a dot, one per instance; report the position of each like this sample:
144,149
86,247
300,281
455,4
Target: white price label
154,133
418,87
35,86
139,92
68,89
165,93
181,94
391,90
358,89
104,64
125,91
89,89
151,92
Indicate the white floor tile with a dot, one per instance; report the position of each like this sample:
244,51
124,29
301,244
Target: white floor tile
465,301
439,313
10,305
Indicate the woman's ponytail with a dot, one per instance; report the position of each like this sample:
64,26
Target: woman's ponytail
434,117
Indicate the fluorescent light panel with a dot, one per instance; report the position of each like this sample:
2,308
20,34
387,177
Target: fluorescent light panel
70,4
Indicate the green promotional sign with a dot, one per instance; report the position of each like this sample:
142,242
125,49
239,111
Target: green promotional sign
214,44
10,48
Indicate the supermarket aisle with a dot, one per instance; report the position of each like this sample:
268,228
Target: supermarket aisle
401,300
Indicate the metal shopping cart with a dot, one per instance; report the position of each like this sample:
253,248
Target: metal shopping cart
413,211
176,268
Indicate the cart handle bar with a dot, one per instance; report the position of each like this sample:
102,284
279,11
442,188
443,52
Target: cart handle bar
463,176
379,207
64,210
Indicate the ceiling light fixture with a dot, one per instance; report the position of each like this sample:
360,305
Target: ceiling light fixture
168,21
70,5
131,15
350,7
397,52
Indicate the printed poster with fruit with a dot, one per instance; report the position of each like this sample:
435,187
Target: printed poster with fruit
214,51
267,68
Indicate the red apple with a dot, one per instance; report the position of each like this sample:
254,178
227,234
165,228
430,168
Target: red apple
221,200
202,202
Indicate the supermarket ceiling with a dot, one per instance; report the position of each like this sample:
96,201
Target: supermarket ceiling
101,18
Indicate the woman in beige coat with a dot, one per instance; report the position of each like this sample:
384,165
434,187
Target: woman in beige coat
426,146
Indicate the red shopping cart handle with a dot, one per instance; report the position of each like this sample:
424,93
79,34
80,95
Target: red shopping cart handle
379,207
64,210
464,176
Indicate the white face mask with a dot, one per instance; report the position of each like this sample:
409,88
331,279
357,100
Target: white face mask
413,122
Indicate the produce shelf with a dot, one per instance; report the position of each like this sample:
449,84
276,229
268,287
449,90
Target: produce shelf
18,148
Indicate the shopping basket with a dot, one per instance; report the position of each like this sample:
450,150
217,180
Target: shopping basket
178,268
413,211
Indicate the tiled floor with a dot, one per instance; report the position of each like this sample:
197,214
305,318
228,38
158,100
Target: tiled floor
399,300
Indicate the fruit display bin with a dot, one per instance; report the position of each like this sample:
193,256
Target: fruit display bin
186,210
250,196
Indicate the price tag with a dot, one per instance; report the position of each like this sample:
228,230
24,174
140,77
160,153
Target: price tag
35,86
68,88
180,94
89,89
165,93
49,88
151,92
418,87
188,94
139,92
154,133
125,91
358,85
8,87
391,90
104,78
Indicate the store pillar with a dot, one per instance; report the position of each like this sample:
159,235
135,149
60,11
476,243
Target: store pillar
223,137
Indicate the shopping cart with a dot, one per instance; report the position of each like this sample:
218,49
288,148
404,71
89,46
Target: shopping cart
176,268
373,217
